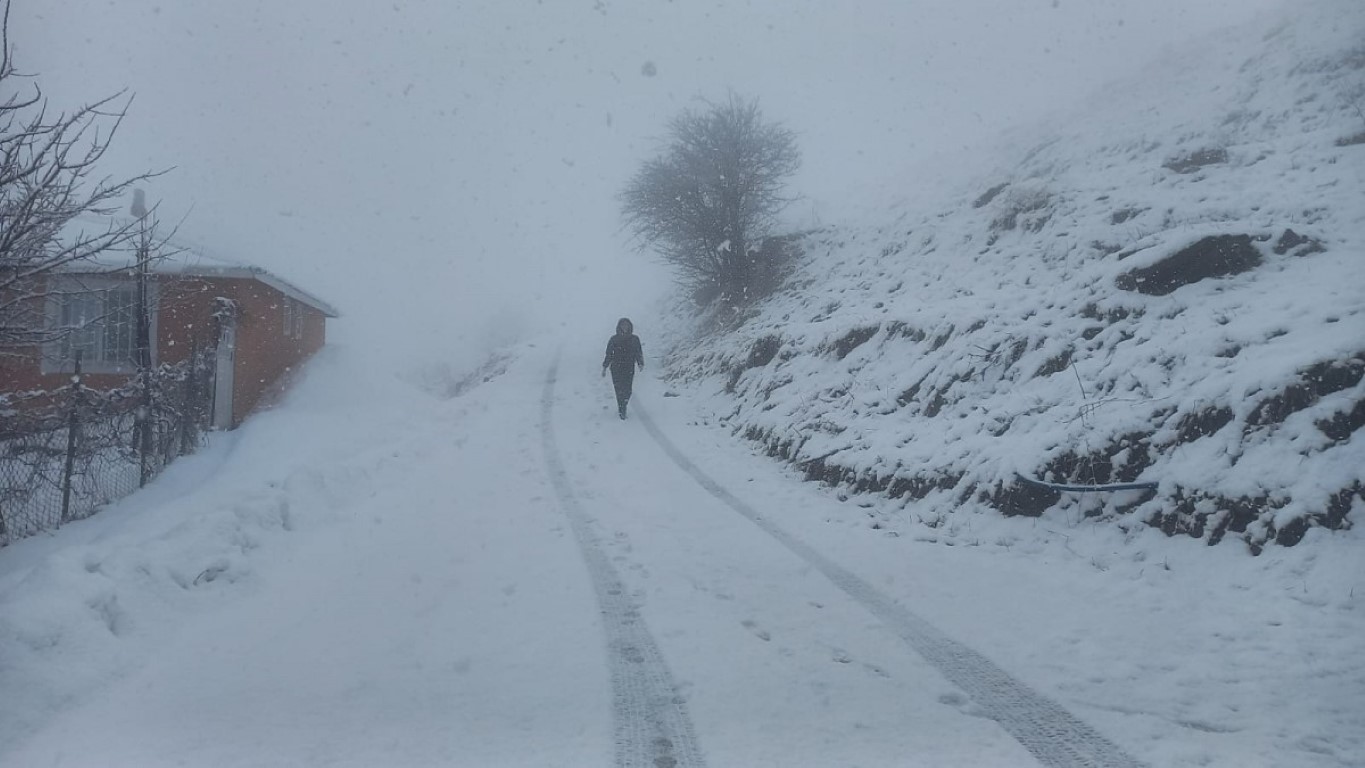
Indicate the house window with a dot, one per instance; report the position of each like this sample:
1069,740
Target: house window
293,318
95,319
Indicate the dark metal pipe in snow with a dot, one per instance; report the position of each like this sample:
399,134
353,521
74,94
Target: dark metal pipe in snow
1146,486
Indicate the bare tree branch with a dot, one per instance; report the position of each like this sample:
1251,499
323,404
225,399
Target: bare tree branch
48,187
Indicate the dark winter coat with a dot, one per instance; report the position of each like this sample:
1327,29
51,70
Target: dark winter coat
623,354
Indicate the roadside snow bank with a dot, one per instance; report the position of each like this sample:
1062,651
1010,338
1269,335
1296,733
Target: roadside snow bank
92,601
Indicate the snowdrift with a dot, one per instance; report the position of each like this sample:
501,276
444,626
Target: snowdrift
1167,287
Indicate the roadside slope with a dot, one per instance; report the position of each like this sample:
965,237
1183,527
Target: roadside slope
1162,287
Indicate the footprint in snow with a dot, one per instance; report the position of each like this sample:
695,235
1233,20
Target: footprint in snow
760,633
953,699
876,670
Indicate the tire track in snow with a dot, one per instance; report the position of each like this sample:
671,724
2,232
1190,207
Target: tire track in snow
651,724
1054,736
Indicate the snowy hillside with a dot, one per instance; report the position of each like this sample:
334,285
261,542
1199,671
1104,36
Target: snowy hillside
1166,287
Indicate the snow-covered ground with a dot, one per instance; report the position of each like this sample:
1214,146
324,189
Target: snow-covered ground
399,570
515,577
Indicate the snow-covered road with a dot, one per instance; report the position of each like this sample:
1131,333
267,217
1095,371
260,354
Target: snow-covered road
516,577
714,583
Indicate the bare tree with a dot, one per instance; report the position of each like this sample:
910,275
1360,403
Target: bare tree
707,202
54,210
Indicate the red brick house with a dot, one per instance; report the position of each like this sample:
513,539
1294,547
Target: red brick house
261,326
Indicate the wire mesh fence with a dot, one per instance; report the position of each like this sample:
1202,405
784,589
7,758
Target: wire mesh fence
65,454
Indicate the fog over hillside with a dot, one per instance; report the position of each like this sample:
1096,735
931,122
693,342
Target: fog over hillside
447,171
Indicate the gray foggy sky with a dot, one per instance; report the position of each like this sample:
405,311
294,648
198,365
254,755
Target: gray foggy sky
453,165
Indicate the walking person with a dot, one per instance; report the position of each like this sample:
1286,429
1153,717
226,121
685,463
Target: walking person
623,354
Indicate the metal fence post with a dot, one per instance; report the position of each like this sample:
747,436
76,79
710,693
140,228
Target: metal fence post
144,431
72,424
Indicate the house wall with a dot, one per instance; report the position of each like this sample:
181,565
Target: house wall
266,354
185,323
21,368
23,375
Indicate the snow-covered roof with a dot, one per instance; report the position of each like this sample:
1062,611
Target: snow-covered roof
187,258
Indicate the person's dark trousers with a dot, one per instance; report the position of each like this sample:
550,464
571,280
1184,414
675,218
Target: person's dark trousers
622,378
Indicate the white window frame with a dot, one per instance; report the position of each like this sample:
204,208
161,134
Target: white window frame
95,290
